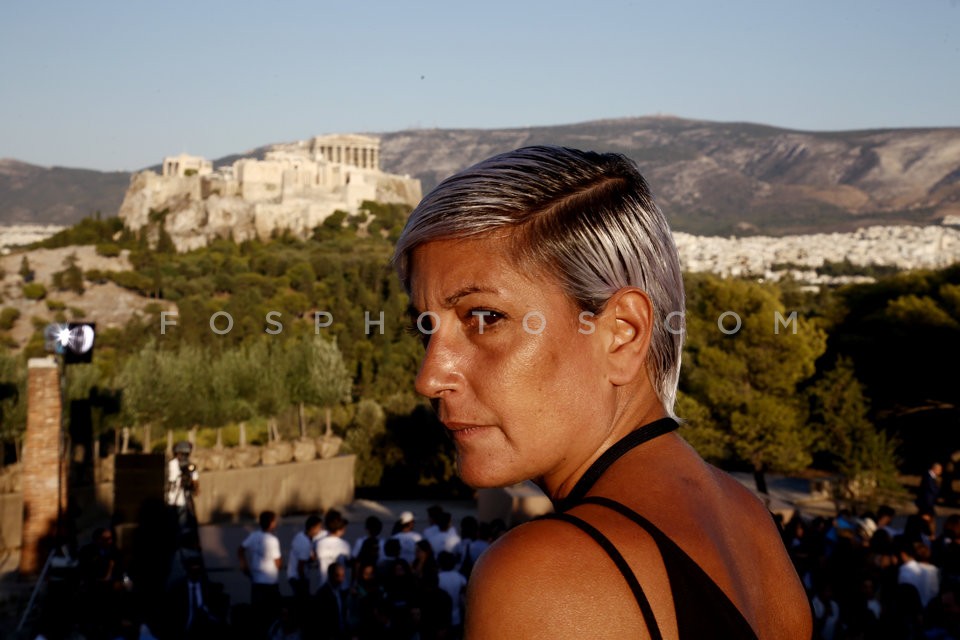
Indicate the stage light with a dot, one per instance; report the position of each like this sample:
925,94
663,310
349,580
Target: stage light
74,341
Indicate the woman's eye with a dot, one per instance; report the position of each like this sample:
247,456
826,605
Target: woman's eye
421,328
482,319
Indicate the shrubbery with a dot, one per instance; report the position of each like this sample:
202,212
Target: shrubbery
8,317
34,291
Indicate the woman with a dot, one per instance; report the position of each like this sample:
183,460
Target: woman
547,287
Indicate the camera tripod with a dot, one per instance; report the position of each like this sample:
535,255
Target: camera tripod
182,501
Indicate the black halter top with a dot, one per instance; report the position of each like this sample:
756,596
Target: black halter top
703,610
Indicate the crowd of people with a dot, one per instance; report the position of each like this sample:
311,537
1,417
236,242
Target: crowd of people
868,579
406,584
865,578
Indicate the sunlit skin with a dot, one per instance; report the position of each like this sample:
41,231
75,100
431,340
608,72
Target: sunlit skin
536,400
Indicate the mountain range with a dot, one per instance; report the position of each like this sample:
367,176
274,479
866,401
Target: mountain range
710,178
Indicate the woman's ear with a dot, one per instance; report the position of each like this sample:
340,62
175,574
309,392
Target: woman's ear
629,321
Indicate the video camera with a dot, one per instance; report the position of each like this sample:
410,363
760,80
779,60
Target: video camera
187,469
186,476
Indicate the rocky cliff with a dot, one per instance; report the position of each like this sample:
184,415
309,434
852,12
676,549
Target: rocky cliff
193,213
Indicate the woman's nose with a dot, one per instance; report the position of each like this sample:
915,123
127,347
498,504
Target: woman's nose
439,371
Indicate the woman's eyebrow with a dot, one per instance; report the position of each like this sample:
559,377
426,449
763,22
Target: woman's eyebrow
455,297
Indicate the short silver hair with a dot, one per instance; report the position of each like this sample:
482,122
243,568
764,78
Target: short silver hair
587,217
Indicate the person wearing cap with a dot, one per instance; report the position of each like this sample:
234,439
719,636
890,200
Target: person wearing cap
183,480
407,537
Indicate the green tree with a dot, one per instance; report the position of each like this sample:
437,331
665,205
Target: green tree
173,389
745,380
863,455
316,375
25,271
363,438
13,398
71,277
920,311
302,277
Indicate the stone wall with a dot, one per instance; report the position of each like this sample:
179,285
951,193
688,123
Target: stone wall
229,495
300,487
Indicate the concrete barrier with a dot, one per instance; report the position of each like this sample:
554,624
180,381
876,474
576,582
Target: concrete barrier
225,496
514,505
296,487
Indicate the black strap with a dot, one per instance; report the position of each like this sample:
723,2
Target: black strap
611,455
624,568
684,574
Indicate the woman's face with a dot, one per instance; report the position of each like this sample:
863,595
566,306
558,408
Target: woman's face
515,372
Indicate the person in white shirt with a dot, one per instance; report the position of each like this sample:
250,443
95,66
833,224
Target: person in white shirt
332,547
916,570
300,556
408,537
445,538
183,479
473,542
455,584
433,513
826,612
260,560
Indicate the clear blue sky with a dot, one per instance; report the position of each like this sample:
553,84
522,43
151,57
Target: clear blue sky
118,85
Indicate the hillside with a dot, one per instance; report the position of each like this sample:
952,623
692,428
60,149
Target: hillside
717,178
710,178
57,195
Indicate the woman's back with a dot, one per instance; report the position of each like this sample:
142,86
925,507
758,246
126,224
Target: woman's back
712,520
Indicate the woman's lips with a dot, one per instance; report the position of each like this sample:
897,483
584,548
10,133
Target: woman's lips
462,430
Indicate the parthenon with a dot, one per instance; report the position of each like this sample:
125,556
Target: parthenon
358,151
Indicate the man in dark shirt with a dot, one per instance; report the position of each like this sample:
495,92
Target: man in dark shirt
332,605
929,489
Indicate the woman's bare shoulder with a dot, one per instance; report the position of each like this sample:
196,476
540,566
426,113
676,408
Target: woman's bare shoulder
545,579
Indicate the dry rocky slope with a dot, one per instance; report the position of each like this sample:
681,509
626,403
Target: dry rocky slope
711,178
737,178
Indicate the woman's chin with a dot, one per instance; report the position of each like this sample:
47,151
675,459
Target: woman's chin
483,477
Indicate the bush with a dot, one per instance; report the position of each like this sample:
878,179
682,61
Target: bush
133,281
56,305
8,317
108,250
34,291
96,276
90,230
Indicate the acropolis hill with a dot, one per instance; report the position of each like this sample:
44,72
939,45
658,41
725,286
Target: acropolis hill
295,187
